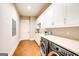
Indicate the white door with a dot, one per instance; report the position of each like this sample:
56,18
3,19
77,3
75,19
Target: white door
24,29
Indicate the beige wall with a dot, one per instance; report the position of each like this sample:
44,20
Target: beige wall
67,32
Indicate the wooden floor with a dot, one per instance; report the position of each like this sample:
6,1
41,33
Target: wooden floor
27,48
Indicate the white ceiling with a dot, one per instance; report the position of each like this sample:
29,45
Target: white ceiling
35,10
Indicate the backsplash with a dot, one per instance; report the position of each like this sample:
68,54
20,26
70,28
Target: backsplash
67,32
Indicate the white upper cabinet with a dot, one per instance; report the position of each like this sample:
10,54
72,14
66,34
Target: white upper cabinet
66,14
60,15
72,16
49,21
46,18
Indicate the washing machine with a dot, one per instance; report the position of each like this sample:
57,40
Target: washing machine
52,51
49,48
44,46
57,50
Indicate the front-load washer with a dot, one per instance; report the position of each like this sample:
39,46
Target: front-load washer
44,46
59,50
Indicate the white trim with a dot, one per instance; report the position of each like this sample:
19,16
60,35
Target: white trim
24,39
13,50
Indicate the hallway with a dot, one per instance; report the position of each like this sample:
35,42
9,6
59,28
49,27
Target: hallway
27,48
20,22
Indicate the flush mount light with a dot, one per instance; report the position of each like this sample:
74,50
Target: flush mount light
28,7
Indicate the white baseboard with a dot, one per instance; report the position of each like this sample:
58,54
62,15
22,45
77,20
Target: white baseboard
13,50
31,38
24,38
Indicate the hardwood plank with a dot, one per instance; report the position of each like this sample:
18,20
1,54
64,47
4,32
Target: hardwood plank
27,48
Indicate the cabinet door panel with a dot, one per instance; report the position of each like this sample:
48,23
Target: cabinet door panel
59,14
73,14
47,22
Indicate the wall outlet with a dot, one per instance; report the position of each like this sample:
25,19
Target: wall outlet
68,33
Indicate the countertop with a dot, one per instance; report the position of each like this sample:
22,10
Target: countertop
69,44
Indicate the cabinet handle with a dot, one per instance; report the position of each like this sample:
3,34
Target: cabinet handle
64,20
52,23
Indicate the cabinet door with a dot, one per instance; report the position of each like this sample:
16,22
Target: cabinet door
46,17
72,18
59,14
54,16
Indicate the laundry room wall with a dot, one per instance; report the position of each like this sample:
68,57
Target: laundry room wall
8,42
66,32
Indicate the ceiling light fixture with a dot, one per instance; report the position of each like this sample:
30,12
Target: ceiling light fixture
28,7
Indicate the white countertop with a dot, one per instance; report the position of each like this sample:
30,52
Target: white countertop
69,44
